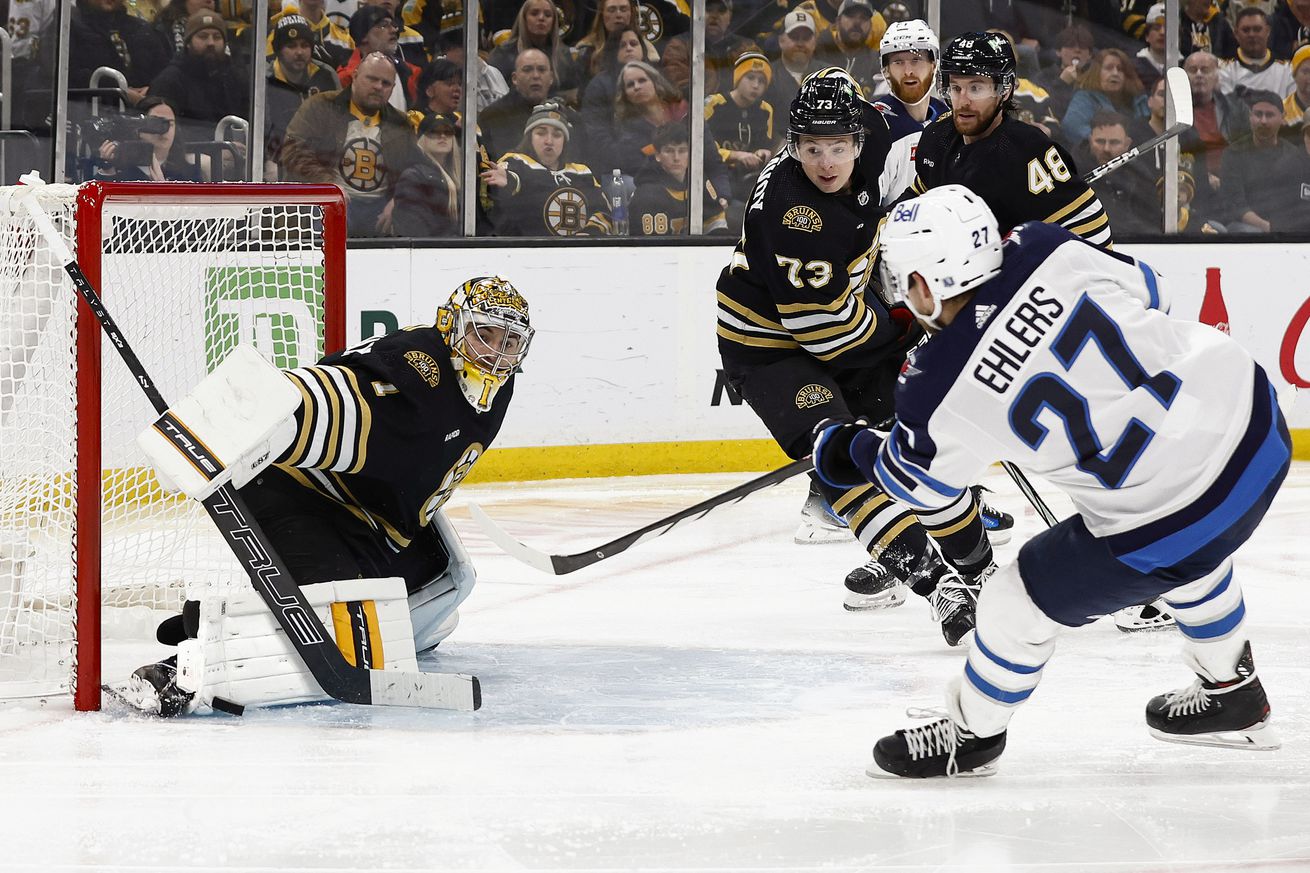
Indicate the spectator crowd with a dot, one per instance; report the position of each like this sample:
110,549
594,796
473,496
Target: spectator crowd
584,106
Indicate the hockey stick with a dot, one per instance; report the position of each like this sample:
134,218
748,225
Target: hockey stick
268,574
1178,97
558,565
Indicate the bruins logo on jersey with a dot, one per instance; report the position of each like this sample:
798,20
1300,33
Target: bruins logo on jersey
650,22
803,218
565,212
812,395
426,367
361,165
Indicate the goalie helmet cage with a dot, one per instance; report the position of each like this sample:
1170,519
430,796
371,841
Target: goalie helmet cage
87,539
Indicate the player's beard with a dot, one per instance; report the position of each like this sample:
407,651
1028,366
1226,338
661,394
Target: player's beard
977,124
911,94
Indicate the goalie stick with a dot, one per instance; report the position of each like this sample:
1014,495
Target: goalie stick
268,573
559,565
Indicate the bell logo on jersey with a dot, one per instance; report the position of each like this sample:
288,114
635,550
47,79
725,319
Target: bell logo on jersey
565,212
803,218
426,367
812,395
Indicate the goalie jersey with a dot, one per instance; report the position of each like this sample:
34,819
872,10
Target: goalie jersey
1020,173
384,431
799,273
1067,364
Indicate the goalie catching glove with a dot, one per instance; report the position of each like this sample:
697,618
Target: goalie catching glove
237,421
837,442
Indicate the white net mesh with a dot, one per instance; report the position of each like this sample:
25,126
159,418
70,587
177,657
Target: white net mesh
185,282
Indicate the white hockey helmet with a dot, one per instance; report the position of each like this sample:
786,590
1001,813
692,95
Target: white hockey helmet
948,236
486,326
908,36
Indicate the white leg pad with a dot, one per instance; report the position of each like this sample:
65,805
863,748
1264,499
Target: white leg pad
243,656
433,607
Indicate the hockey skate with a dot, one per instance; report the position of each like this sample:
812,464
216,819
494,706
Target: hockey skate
1146,616
939,748
819,524
1232,714
873,586
153,690
999,525
953,603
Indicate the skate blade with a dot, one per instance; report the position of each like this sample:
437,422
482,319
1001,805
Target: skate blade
889,599
820,535
1260,738
964,641
999,537
875,772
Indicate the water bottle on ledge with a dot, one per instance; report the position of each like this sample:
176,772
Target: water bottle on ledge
617,195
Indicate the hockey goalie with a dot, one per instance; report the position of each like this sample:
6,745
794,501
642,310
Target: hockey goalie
345,465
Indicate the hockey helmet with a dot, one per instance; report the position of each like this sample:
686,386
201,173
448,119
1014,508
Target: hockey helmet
908,36
947,235
826,106
837,73
979,54
485,324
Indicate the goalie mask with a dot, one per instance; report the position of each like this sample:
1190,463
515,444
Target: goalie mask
485,325
947,235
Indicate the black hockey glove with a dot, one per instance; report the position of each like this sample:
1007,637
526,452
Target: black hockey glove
833,442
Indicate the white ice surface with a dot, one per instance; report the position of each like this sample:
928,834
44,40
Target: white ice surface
699,703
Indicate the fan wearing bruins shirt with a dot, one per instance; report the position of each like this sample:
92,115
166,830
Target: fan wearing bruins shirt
1019,171
384,434
802,342
537,191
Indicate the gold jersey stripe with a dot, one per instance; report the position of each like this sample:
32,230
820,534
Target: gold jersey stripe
377,521
828,356
1090,227
875,503
1071,207
894,531
364,423
306,421
756,342
332,445
803,308
747,313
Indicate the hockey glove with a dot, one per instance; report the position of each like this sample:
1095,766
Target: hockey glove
836,442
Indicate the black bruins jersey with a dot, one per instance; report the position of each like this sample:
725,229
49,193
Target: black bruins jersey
798,275
384,430
1018,171
539,201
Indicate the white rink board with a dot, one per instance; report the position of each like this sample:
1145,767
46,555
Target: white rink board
625,349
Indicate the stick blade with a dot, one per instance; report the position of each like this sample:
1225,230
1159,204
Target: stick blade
1178,94
510,546
457,691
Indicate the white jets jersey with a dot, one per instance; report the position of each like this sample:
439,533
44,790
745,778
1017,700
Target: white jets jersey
1068,365
898,172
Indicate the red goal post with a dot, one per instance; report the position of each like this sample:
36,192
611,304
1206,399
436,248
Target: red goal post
187,270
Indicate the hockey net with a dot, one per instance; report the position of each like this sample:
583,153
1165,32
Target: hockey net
188,271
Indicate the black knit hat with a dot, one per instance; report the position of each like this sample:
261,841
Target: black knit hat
365,19
290,27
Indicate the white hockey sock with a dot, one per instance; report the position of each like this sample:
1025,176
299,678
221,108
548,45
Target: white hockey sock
1012,642
1211,615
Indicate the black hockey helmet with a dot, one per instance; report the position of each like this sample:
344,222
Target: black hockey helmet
978,54
826,106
